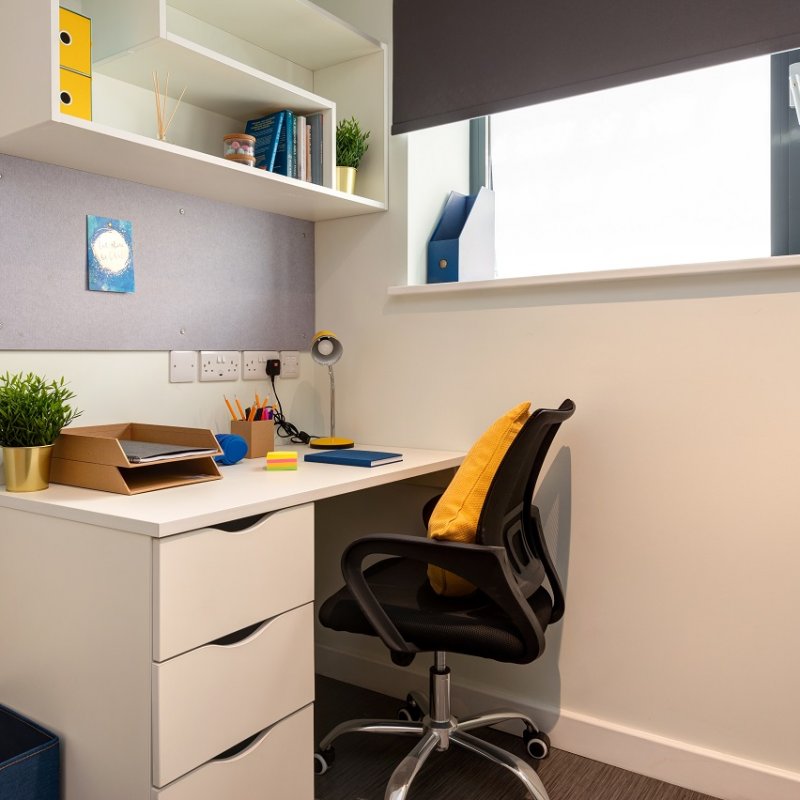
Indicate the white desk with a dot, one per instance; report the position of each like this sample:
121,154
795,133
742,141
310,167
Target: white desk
152,641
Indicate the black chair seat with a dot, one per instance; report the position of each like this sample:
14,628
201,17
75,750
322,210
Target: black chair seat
472,625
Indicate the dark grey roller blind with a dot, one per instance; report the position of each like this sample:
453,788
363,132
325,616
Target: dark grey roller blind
458,59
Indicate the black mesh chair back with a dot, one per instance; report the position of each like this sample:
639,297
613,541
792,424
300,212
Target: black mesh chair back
510,520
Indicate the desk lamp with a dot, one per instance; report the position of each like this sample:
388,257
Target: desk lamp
326,349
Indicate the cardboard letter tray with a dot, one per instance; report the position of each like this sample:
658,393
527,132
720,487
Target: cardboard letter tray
92,457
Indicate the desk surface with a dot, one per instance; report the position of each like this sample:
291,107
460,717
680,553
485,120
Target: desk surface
245,489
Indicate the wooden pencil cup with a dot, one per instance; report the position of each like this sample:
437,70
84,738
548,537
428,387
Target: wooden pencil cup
260,436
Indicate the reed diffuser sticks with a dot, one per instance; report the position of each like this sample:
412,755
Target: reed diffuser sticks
161,106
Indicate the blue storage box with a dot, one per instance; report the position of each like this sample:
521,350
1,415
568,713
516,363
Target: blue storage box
29,759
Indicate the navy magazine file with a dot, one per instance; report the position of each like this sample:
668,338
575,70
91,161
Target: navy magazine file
461,247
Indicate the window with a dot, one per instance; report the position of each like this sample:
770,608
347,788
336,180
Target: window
668,171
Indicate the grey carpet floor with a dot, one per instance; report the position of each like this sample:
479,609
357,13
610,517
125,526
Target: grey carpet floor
364,762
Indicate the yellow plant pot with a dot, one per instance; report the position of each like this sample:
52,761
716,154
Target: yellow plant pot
27,469
346,179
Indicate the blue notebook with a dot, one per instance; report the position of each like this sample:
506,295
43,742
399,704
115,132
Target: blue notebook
354,458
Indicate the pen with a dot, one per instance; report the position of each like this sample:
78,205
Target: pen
239,406
230,407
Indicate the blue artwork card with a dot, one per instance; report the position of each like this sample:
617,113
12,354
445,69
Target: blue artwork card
109,254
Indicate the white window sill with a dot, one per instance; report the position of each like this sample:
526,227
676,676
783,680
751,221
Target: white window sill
498,284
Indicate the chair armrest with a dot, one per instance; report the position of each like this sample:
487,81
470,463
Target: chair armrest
485,567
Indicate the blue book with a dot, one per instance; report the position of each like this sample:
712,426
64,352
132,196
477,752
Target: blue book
267,131
354,458
285,157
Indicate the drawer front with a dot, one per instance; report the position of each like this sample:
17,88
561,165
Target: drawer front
210,582
74,41
75,94
276,766
208,700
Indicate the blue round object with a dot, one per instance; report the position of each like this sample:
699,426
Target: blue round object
234,449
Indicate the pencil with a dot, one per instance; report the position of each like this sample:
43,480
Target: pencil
230,407
239,406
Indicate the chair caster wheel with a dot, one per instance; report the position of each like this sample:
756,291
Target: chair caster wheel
537,744
410,710
323,761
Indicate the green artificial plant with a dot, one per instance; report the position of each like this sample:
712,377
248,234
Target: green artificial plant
351,143
33,411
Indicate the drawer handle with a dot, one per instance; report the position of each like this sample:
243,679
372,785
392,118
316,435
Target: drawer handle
242,635
237,525
250,743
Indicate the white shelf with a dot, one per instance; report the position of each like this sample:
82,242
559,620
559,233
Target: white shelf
214,81
104,151
307,34
237,60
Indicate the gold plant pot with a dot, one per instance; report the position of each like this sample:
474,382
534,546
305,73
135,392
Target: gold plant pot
27,469
346,179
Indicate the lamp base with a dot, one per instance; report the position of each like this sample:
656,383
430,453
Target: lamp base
331,443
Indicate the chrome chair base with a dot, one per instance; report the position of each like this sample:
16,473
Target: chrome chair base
436,731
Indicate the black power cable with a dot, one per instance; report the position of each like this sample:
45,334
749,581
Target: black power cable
284,428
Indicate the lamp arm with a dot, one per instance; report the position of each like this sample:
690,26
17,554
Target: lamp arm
333,402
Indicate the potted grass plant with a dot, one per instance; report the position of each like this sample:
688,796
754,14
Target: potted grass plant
32,413
351,144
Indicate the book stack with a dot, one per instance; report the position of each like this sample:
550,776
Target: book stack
289,144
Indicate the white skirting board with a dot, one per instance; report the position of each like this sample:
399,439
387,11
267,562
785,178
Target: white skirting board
697,768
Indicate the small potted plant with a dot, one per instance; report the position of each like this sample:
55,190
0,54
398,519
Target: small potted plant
32,413
351,144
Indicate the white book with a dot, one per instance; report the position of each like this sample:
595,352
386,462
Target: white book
302,161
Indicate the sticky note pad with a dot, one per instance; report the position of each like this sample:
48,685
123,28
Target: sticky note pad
281,460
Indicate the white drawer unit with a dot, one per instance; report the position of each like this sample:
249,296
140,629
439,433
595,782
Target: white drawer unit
235,603
211,698
211,582
275,764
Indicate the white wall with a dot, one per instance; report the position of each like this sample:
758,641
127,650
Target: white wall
135,387
671,496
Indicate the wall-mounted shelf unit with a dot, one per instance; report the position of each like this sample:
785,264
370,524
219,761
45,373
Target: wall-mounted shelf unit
237,61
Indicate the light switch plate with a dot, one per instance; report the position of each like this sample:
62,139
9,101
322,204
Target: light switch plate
182,366
290,364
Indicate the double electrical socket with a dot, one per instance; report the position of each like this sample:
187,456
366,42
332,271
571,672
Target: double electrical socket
220,365
254,364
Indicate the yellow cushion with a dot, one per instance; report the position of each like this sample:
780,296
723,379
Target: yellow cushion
456,514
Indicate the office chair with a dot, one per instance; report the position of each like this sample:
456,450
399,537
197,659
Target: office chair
505,619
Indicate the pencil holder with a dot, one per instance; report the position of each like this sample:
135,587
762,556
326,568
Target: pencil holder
260,436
